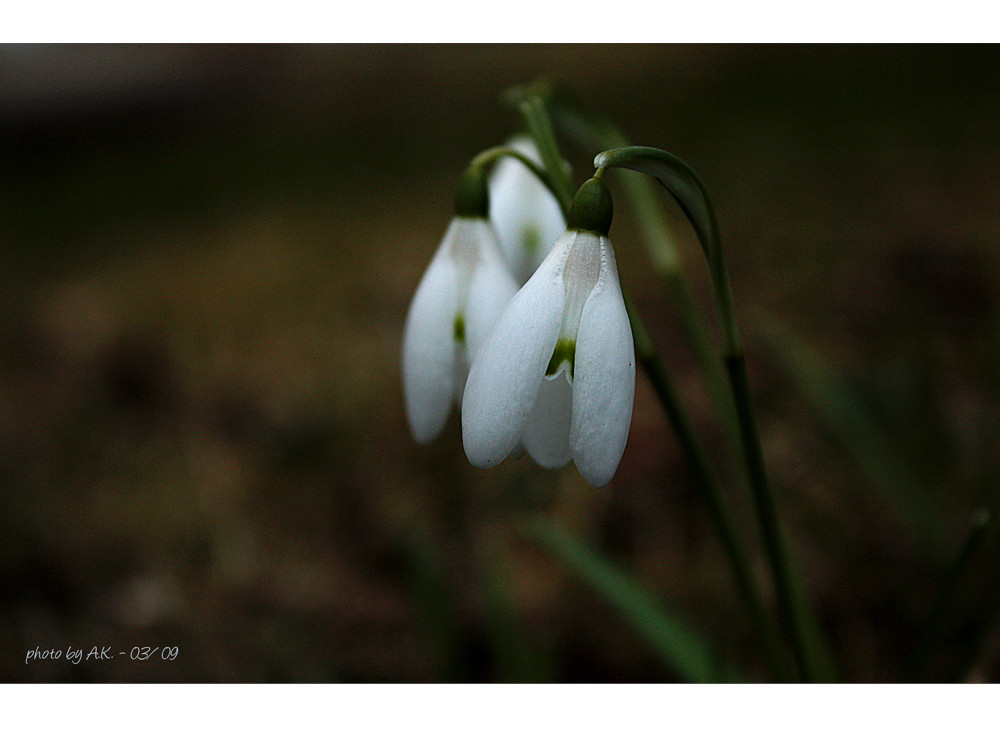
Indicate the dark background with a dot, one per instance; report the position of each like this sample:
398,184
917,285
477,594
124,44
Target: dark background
206,257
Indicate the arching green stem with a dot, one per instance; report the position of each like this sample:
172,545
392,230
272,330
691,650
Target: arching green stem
490,156
687,188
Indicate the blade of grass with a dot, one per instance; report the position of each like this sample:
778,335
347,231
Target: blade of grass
677,645
916,670
855,428
436,605
517,660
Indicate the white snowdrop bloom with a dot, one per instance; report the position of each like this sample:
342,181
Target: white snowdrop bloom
557,372
526,214
466,286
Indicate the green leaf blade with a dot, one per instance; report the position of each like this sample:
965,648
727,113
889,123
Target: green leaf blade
677,645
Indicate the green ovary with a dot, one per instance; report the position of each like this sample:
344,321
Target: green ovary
460,329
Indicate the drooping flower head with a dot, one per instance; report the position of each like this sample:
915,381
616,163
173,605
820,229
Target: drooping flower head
557,372
526,214
465,287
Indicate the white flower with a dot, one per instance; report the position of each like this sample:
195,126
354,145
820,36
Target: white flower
460,296
557,372
526,214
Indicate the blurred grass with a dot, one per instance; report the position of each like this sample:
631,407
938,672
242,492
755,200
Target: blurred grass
681,649
203,288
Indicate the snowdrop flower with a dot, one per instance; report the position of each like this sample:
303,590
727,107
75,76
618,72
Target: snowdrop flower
526,214
463,291
557,372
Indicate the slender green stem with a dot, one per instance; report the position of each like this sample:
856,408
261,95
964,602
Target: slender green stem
648,357
692,196
807,642
700,338
540,127
807,645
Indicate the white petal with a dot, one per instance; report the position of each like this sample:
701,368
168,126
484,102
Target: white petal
429,348
548,222
604,379
510,364
546,436
526,214
491,289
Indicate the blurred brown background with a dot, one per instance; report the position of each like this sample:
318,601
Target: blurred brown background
206,256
